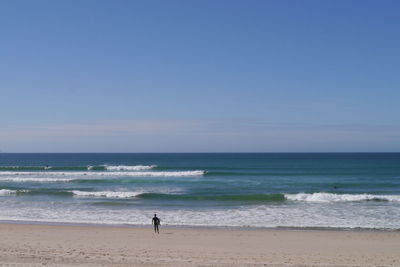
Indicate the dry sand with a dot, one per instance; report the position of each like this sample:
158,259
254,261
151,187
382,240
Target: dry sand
38,245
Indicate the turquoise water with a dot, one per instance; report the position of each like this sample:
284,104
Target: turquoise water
344,190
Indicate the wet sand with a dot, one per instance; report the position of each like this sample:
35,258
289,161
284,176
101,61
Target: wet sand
38,245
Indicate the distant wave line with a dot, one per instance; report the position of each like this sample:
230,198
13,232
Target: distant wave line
108,194
108,173
129,168
88,167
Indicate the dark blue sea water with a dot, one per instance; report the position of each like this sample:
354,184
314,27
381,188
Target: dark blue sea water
344,190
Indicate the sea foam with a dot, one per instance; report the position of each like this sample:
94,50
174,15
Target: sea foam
39,180
330,197
110,194
5,192
130,168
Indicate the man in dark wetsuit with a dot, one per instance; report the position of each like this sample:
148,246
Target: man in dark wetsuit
156,223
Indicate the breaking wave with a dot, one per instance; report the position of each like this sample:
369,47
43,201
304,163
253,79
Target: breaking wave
320,197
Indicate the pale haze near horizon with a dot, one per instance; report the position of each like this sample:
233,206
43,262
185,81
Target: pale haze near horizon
199,76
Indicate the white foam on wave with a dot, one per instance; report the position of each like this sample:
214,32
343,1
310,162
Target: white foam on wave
130,168
5,192
110,194
39,180
330,197
107,173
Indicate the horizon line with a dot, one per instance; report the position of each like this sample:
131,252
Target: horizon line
302,152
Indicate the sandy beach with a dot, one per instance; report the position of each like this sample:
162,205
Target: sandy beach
37,245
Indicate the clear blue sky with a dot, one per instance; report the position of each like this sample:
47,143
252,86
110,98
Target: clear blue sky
199,76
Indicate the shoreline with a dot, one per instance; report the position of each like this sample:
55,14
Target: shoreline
205,227
100,245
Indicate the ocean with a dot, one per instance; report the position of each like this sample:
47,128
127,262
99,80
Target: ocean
299,190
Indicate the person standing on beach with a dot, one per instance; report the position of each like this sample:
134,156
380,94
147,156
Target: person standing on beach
156,223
